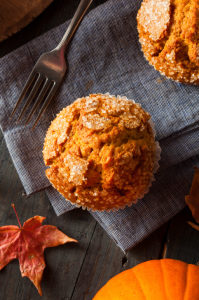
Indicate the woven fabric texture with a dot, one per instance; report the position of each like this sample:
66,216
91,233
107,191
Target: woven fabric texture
105,56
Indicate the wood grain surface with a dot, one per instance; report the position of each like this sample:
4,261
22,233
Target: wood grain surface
76,271
15,14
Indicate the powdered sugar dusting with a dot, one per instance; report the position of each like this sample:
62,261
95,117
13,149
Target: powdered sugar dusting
95,122
154,16
171,56
91,104
115,106
78,168
130,121
64,133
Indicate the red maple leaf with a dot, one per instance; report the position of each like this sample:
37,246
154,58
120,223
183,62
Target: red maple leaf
27,244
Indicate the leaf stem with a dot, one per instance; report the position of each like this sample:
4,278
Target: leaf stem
13,206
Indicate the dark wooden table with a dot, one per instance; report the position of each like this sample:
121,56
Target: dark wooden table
73,271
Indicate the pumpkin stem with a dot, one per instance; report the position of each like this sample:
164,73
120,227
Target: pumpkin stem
13,206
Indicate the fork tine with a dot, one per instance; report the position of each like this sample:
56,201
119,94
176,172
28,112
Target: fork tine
39,99
32,77
48,99
31,96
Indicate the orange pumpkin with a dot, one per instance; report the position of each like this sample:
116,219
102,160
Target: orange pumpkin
164,279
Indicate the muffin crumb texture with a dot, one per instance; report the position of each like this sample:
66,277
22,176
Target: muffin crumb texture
100,151
169,36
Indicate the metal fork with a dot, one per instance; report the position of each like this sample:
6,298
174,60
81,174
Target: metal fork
48,73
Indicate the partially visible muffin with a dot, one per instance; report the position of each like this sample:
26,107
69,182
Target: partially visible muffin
169,36
101,152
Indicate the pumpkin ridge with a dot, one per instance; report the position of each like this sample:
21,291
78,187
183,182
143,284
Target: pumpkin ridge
141,288
185,283
192,287
149,280
164,280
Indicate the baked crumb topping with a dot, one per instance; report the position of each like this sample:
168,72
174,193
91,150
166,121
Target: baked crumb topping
77,167
154,15
169,36
95,122
100,151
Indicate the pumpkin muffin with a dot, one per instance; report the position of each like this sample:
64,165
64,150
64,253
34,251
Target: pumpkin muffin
169,36
101,152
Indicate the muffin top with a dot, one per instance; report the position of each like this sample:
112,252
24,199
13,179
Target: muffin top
169,35
100,150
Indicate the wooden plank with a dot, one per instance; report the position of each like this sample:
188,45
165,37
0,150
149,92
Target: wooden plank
64,262
75,271
72,270
104,259
182,239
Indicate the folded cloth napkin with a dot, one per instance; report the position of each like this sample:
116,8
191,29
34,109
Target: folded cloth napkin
105,56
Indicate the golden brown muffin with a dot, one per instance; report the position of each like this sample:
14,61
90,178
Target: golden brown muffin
101,152
169,35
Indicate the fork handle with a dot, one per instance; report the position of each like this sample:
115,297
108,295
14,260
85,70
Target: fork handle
78,16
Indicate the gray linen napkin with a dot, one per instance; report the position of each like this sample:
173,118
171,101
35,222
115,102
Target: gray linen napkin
105,56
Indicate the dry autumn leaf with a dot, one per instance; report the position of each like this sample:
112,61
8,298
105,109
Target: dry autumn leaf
194,225
192,200
27,243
